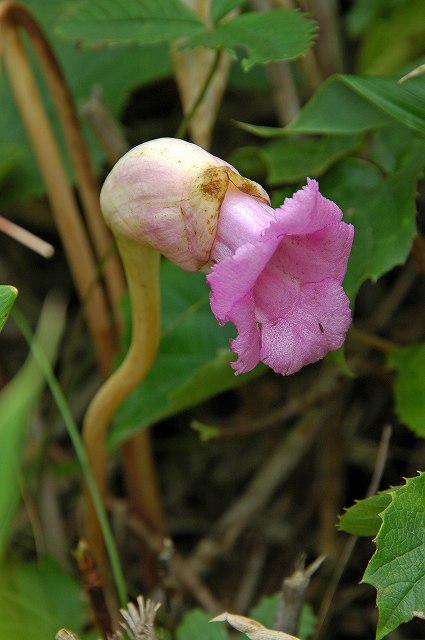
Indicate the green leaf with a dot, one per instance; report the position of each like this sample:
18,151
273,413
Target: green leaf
351,104
193,362
250,162
363,518
111,22
293,160
282,34
8,296
265,610
389,145
409,386
397,569
404,28
38,599
196,625
382,210
363,13
262,131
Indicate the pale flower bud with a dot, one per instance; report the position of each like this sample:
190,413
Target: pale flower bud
167,193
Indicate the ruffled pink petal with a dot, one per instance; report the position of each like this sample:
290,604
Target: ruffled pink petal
234,277
248,342
315,256
282,289
306,212
316,325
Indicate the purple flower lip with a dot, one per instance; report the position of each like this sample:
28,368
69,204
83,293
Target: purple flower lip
282,287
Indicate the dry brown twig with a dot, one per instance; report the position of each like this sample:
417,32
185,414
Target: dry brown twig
251,628
175,564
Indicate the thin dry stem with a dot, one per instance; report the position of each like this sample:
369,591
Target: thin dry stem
106,129
142,271
18,16
26,238
201,77
61,197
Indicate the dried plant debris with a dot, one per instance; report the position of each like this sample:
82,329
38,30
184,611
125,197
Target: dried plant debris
251,628
138,625
139,622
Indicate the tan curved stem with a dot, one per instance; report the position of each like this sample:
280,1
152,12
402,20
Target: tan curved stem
141,264
15,15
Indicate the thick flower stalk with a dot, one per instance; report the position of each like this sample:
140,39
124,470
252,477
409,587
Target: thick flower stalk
275,274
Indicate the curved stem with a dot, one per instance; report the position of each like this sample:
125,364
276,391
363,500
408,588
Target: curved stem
141,265
16,15
61,196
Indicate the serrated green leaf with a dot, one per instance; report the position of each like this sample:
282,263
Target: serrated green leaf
8,296
37,599
293,160
409,386
397,569
143,22
193,362
363,519
282,34
382,210
351,104
196,624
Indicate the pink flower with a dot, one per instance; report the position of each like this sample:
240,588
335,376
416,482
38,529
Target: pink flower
275,274
278,278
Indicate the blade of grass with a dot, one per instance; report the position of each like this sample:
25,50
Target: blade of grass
17,403
57,393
